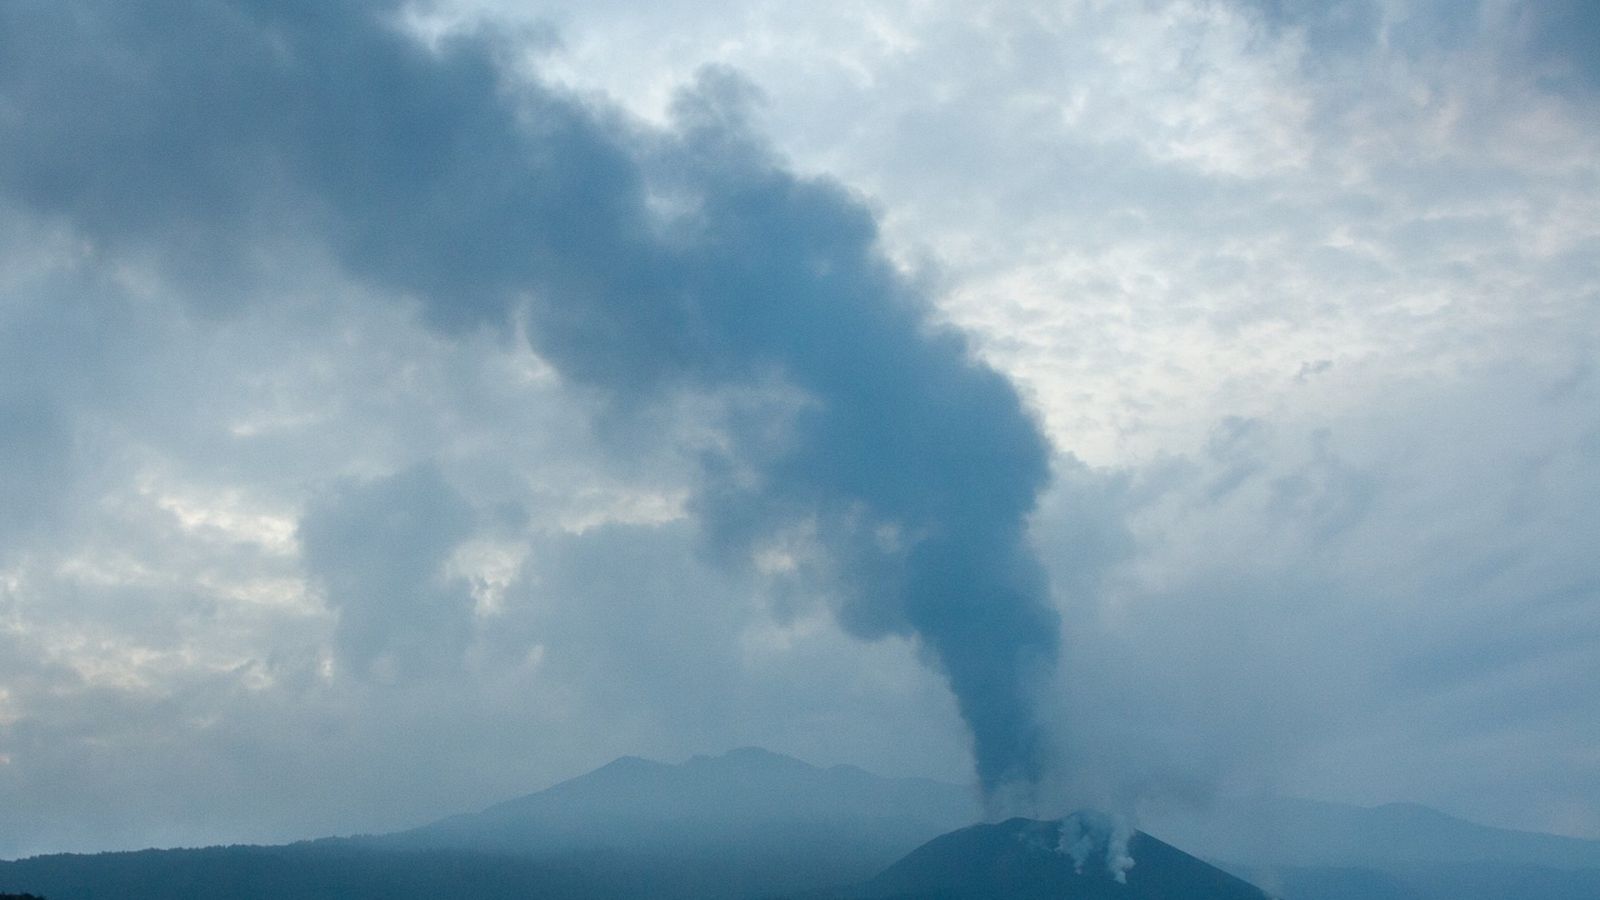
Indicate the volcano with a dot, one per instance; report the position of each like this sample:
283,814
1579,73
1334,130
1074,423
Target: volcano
1080,857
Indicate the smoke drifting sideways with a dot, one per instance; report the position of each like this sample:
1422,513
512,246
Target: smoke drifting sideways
640,262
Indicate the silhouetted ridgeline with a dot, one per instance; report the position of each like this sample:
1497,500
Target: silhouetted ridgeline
315,871
1019,859
1015,860
754,825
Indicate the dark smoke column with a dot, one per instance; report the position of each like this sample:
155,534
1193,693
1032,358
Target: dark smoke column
646,263
917,464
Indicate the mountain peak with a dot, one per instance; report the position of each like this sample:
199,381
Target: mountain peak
759,753
629,763
749,807
1414,810
1088,855
752,758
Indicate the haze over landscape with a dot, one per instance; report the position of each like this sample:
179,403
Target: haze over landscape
1168,425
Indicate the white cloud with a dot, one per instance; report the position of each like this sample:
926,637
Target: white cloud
1321,322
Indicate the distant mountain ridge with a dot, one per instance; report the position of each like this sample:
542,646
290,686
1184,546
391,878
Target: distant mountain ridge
632,799
1295,832
1314,850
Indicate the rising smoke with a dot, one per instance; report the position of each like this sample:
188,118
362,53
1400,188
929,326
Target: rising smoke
642,263
1087,834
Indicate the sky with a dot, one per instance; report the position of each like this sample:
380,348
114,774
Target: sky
406,406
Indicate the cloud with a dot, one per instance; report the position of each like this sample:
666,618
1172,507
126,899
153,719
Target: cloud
1561,36
1300,292
378,550
33,447
1319,597
204,136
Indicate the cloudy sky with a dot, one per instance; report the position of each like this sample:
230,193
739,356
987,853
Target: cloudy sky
406,406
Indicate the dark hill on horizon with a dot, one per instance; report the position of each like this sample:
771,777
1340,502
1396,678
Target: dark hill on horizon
320,870
1063,859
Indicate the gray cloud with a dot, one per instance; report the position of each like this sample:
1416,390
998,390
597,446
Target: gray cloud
427,175
1369,583
1330,28
1553,42
379,550
1563,35
1301,591
34,449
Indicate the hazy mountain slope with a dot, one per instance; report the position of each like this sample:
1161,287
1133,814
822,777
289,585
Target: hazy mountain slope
1311,850
1020,859
1300,833
746,824
1429,881
1329,883
1499,881
748,821
722,796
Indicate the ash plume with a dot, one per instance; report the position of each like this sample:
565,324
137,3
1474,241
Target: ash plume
642,263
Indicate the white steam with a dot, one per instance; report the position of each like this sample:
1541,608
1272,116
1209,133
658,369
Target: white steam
1087,834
